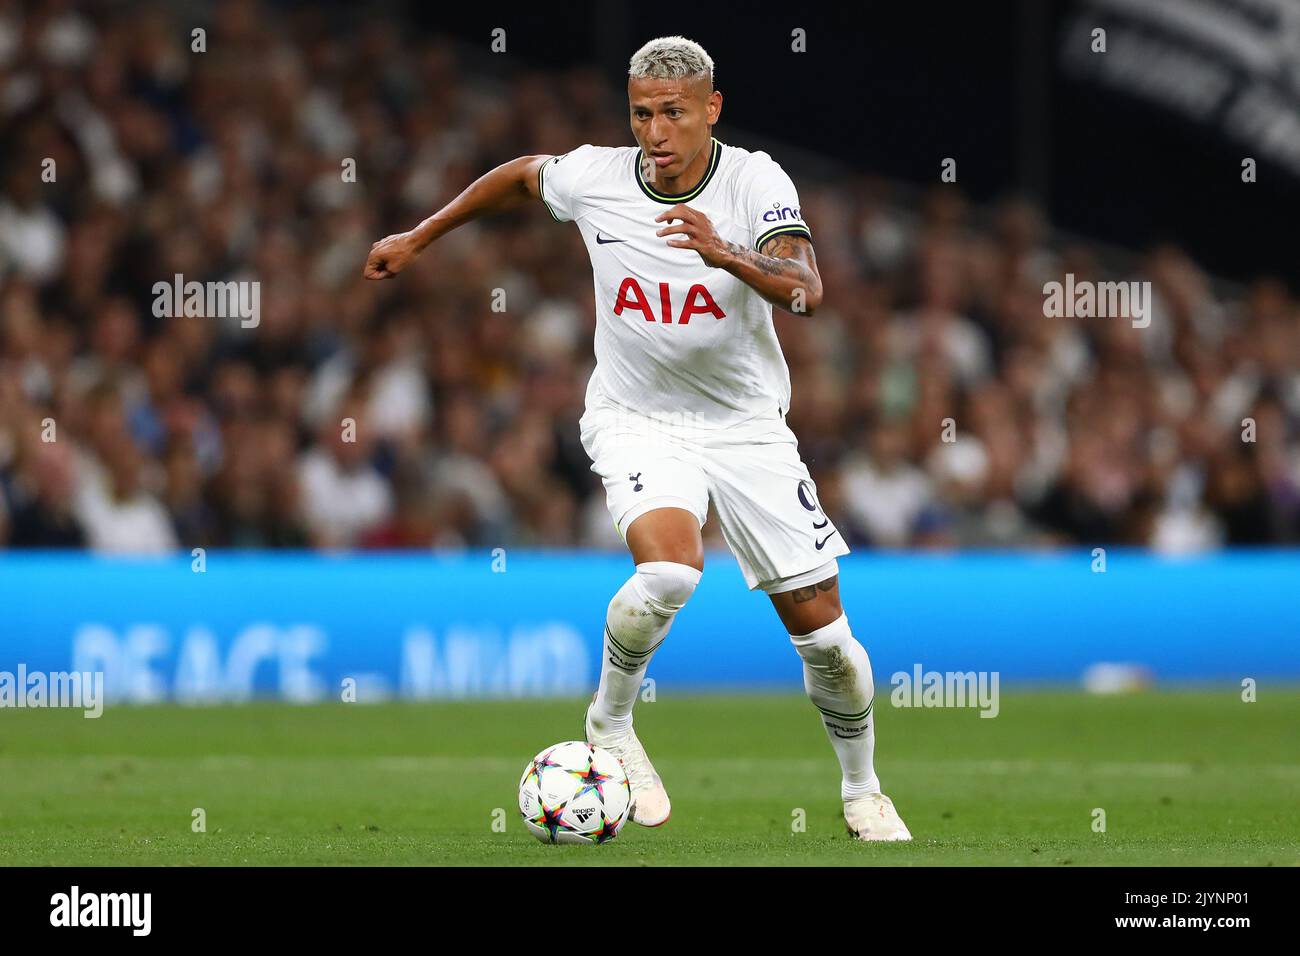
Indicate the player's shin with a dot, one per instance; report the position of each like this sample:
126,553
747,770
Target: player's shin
636,623
837,676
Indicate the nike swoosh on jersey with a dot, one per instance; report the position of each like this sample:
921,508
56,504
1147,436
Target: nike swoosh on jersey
822,543
602,242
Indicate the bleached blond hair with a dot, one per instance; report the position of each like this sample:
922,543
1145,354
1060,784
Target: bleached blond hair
669,58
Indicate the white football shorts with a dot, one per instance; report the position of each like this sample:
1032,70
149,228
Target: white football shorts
762,494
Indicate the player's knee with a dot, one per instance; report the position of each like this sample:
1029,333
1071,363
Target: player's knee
667,585
830,641
836,658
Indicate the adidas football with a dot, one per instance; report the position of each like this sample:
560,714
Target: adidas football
574,793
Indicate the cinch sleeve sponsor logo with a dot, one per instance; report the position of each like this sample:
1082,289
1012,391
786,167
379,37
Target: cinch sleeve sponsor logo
779,213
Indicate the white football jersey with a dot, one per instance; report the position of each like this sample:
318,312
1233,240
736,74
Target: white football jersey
676,339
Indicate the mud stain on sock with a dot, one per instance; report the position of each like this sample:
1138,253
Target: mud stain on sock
839,668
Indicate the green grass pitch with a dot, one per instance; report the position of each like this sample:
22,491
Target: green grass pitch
1183,777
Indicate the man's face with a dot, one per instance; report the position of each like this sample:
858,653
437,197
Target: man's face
671,119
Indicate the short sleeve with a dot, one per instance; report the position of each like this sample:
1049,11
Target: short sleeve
560,181
773,203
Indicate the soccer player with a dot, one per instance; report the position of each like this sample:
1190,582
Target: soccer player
692,242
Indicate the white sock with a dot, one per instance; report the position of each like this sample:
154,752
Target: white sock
837,677
636,623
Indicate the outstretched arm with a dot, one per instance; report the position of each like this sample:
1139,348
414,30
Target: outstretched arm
784,272
506,187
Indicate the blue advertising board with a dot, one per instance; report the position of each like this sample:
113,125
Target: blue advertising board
300,627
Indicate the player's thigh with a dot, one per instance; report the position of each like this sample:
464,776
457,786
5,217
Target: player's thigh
666,534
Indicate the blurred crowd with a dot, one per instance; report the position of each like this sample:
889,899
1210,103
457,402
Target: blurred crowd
934,402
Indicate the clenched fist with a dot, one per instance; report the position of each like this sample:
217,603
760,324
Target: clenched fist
390,255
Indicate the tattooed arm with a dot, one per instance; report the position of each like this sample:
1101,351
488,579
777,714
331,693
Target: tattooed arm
785,264
784,272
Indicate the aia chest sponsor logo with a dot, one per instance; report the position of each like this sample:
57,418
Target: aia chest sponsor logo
698,301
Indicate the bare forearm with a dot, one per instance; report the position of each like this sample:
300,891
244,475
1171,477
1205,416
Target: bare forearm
787,283
503,188
509,185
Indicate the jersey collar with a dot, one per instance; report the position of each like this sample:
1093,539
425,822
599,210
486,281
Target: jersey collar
673,198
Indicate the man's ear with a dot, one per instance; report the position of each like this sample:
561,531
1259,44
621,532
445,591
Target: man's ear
715,107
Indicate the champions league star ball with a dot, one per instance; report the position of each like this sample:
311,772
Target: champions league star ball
574,793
